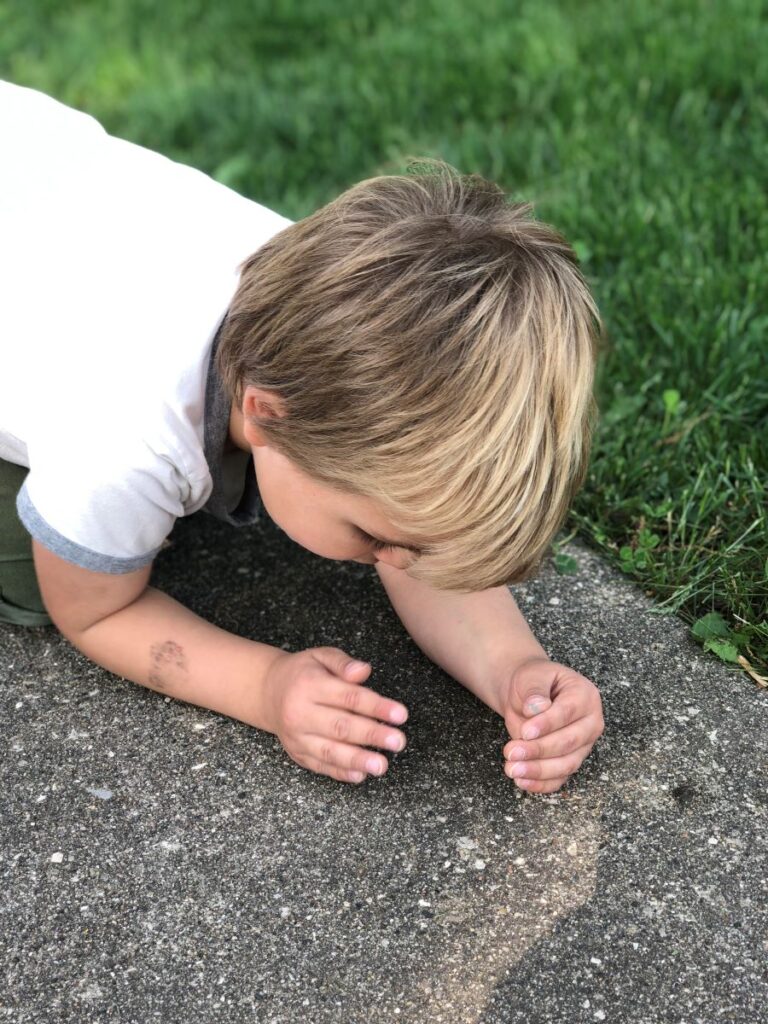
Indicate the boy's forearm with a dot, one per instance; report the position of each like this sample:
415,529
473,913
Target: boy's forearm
477,638
158,643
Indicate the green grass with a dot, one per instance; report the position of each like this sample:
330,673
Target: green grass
637,129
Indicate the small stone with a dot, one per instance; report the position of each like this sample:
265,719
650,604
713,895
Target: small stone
57,858
554,600
92,992
465,843
519,861
424,903
594,960
102,794
572,849
478,864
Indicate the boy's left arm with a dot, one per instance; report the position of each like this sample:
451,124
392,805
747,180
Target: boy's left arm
483,641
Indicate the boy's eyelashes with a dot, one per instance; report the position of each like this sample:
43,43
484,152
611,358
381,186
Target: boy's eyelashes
380,545
385,545
376,544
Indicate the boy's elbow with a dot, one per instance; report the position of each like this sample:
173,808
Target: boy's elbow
76,598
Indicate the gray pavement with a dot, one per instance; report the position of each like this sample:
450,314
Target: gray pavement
160,862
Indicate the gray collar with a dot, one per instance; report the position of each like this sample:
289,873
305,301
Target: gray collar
235,495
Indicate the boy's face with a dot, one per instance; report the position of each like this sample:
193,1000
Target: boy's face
322,519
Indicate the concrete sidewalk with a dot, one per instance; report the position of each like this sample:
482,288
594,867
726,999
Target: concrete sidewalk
162,863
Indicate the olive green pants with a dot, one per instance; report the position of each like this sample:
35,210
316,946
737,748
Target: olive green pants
20,600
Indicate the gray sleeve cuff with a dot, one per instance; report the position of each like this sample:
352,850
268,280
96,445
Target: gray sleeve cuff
68,549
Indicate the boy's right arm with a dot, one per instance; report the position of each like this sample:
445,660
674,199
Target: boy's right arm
307,699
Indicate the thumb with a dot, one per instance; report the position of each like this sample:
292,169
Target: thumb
356,671
532,694
339,663
535,703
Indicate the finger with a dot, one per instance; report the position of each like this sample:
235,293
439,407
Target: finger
340,725
332,771
548,768
339,663
513,722
556,744
547,786
359,700
331,754
563,712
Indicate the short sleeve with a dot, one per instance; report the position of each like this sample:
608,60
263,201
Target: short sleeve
106,505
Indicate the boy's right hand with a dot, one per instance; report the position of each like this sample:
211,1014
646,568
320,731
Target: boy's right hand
324,718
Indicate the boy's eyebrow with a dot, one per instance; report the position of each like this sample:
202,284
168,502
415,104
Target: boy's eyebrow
394,543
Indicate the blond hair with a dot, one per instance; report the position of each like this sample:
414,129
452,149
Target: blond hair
434,346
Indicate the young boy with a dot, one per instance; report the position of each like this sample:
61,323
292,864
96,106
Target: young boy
403,378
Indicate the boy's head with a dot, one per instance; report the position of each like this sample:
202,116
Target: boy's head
432,349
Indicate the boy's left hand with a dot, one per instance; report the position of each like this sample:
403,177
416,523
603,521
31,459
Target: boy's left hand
568,716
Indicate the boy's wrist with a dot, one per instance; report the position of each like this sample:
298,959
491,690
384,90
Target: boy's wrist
260,704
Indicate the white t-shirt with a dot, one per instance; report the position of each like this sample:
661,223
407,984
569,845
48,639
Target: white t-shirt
117,267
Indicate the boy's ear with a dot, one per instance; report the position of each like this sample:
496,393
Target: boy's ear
259,403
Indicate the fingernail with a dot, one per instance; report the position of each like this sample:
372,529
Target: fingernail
398,715
517,770
516,754
373,764
531,732
358,664
535,705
